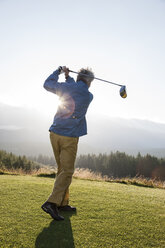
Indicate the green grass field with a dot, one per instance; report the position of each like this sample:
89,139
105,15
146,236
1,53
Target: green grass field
109,215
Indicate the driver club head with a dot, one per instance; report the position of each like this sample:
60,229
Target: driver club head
123,92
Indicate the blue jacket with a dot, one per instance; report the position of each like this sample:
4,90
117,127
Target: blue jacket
75,98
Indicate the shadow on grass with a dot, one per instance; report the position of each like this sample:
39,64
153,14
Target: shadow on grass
57,235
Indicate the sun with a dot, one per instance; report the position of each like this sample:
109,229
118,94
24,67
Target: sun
60,102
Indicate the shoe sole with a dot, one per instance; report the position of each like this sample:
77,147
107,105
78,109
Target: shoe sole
49,212
67,210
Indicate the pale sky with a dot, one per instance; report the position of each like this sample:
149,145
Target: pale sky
123,41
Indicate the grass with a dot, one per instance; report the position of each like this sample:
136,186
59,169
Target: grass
109,215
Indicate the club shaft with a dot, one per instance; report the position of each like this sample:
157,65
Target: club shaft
97,78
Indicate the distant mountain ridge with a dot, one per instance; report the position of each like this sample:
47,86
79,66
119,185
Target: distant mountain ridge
25,131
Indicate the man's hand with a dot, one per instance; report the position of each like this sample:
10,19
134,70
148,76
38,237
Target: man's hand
66,71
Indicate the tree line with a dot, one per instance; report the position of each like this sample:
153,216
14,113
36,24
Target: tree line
119,164
116,165
43,159
10,161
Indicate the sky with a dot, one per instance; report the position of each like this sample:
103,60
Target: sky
121,40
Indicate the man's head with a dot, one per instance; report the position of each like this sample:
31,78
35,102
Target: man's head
85,75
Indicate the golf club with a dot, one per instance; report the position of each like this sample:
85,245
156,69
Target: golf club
122,91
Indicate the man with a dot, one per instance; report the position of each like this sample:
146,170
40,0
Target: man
68,125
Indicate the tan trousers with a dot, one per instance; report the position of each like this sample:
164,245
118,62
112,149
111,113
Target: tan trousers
65,150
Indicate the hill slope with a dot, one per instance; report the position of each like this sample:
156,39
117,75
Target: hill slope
109,215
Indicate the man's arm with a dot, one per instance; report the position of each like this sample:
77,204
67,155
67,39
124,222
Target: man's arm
51,83
68,79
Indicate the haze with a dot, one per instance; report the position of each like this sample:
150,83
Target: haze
121,40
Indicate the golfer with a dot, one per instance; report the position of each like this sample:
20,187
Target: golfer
68,125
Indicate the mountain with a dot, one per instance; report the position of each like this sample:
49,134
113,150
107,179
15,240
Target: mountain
127,135
25,131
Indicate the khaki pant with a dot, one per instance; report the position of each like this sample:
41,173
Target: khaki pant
65,150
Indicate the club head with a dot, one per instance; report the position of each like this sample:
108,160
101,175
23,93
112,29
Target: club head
123,92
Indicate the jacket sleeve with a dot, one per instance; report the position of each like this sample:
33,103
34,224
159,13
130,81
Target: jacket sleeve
51,84
70,80
90,97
